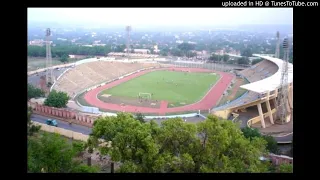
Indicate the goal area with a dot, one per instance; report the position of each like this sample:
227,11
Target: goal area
145,95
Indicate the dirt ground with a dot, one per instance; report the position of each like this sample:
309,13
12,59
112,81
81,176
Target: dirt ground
130,101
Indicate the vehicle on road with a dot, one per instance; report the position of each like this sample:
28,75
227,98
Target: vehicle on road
52,122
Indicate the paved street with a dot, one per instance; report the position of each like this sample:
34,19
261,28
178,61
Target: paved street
63,124
35,79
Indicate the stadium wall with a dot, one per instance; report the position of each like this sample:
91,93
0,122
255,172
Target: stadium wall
93,60
65,115
57,66
173,116
58,78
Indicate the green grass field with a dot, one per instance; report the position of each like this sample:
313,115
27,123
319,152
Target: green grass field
174,87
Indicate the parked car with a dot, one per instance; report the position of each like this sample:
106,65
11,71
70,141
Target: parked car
52,122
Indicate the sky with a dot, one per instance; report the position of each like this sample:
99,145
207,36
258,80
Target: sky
163,16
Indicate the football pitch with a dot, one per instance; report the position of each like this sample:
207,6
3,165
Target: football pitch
174,87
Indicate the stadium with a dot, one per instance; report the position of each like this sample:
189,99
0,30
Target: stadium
160,88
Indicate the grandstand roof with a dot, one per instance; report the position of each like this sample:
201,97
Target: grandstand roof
272,82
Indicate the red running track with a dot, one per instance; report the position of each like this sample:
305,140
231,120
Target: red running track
206,103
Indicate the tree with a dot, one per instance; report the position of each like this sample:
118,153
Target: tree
246,52
31,128
176,52
51,153
140,117
272,145
210,146
120,48
64,58
285,168
34,92
215,57
251,133
225,58
82,168
186,47
243,60
57,99
255,61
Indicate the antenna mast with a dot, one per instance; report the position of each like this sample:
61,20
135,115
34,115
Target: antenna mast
283,112
277,54
128,30
49,75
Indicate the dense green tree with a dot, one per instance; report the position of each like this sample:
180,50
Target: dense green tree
52,154
49,154
246,52
64,58
285,168
176,52
37,51
140,117
215,57
82,168
243,60
210,146
251,133
272,145
225,58
120,48
34,92
57,99
60,51
255,61
78,147
186,47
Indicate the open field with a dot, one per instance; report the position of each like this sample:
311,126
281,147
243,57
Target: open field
178,88
40,62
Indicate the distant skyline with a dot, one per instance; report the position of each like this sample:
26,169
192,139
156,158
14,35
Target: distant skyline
163,16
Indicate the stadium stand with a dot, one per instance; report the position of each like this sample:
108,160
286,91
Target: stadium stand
255,73
89,74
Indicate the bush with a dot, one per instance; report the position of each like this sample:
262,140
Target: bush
34,92
272,145
57,99
285,168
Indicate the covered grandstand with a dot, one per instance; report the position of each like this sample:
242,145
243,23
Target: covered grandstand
264,79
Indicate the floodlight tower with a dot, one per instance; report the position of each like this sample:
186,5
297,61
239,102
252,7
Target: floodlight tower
49,75
277,54
282,100
128,30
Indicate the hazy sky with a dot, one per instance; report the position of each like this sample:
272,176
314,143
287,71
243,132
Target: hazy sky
164,16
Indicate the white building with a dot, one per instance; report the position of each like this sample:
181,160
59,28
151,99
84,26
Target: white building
142,51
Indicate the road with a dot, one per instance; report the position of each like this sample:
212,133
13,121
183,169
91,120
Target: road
34,79
63,124
87,131
284,139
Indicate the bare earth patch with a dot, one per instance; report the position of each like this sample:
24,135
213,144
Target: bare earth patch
106,95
